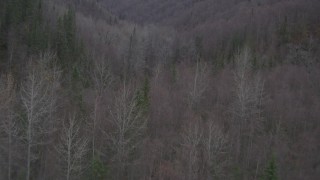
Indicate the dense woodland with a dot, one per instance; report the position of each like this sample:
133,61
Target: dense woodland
160,89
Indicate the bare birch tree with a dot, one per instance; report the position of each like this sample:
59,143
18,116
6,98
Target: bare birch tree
215,144
102,79
199,84
191,139
247,105
128,126
72,149
38,100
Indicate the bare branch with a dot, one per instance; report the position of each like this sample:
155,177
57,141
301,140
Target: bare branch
72,149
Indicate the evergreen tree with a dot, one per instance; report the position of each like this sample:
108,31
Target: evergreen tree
38,33
66,42
271,170
142,97
71,54
99,170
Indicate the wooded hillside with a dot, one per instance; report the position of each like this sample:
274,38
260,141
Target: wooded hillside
150,89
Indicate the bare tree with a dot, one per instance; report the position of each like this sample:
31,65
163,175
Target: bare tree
38,102
72,149
191,139
8,125
203,148
128,125
243,94
102,79
215,144
199,84
247,105
10,128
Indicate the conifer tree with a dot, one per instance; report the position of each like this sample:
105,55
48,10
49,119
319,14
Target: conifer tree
99,170
271,170
142,96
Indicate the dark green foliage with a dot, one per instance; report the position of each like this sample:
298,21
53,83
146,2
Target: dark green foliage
15,11
237,173
38,34
19,11
271,170
22,23
60,40
71,55
3,43
99,171
70,50
10,13
67,46
142,97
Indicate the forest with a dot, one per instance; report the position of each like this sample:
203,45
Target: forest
159,89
